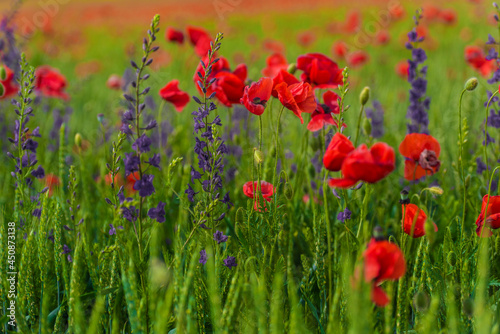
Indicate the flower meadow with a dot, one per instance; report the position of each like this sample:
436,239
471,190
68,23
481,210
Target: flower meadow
322,171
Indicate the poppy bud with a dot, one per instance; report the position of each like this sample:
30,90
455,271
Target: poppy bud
367,126
288,191
468,307
452,259
430,230
421,301
436,190
100,118
78,140
471,84
364,96
404,197
3,73
292,68
467,180
258,156
2,90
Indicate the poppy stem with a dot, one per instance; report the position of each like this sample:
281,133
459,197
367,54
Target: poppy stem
485,144
260,133
460,149
359,124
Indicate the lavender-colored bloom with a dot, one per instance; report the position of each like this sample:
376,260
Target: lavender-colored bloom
112,229
344,215
376,116
418,55
190,192
203,257
154,161
37,212
226,200
230,262
142,144
481,166
130,213
491,40
158,213
145,185
131,162
39,173
220,237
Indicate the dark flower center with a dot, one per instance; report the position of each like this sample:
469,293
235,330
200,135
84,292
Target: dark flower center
258,101
429,161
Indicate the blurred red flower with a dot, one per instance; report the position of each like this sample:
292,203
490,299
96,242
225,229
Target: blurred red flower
421,152
383,37
9,84
114,82
319,70
476,58
173,35
283,76
339,49
200,39
50,82
383,261
275,63
130,182
352,22
171,93
492,220
337,151
402,69
448,16
414,217
229,87
256,96
306,38
52,182
357,58
221,65
298,98
107,180
368,165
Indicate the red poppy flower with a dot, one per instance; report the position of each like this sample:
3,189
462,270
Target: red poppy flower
171,93
353,22
357,58
52,182
421,152
200,39
402,69
414,218
275,63
368,165
298,98
221,65
50,82
107,179
173,35
492,220
9,84
273,46
337,151
476,58
306,38
339,49
396,10
383,261
322,116
430,12
283,76
319,70
229,87
266,188
114,82
383,37
448,16
256,96
130,182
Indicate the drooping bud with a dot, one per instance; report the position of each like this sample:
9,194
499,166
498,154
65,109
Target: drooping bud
468,307
367,126
430,230
78,140
258,156
364,96
471,84
404,196
2,90
240,215
436,190
292,68
378,233
3,73
288,191
452,259
421,301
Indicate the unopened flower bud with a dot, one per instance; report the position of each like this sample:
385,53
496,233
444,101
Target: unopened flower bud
421,301
471,84
292,68
258,156
378,233
430,230
288,191
367,126
78,140
436,190
364,96
468,307
452,259
3,73
2,90
467,180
